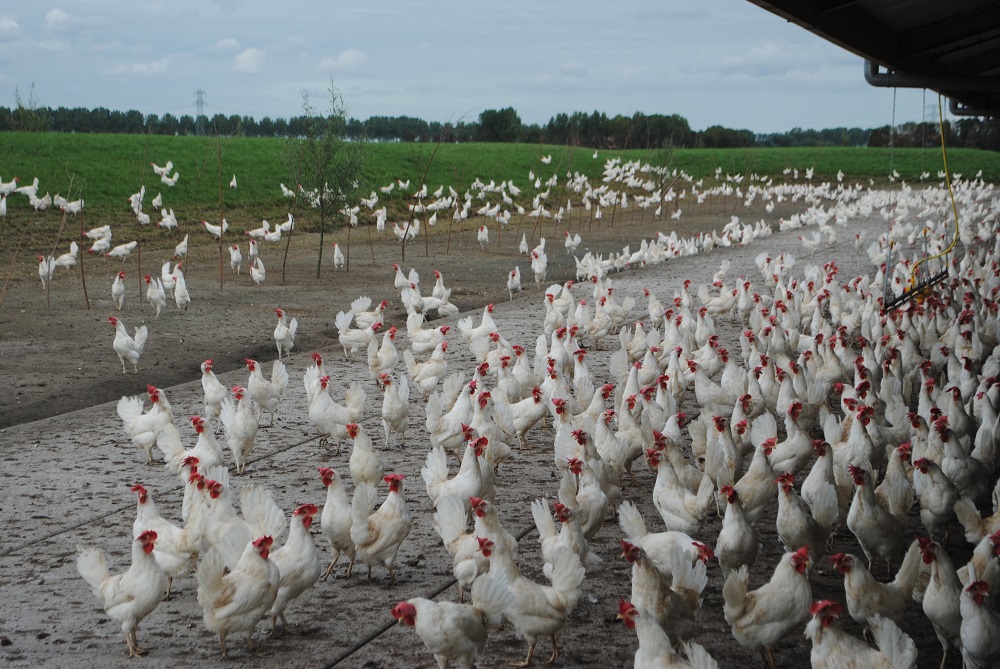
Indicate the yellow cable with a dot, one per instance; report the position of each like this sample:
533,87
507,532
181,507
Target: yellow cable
951,194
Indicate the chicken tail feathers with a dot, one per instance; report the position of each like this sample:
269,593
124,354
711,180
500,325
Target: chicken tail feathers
361,304
450,518
492,595
734,593
543,519
896,646
968,515
210,571
361,507
435,471
906,577
262,513
411,362
354,400
631,521
93,568
279,374
433,411
567,575
141,333
343,321
698,657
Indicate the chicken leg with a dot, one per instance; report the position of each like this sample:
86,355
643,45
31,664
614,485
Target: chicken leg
555,651
134,650
527,660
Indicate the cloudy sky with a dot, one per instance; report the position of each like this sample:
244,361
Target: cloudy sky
715,62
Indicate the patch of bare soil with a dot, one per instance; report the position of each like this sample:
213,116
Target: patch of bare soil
67,477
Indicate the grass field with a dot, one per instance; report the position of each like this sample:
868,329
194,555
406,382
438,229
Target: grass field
105,169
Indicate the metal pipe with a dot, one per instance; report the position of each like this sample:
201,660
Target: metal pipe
892,79
958,109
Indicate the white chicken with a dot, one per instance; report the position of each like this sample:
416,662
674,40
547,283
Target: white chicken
395,406
483,237
538,610
330,418
257,271
240,422
284,333
572,241
297,562
353,339
143,429
761,618
181,249
118,289
177,548
68,259
426,375
122,250
655,650
365,463
46,268
235,258
234,602
155,294
216,230
514,282
474,477
378,534
129,348
182,297
570,535
128,597
382,359
338,256
453,631
423,341
267,393
335,520
832,648
212,390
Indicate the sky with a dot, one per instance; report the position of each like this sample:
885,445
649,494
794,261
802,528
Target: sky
714,62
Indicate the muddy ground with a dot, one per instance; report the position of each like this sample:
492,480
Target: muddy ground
68,467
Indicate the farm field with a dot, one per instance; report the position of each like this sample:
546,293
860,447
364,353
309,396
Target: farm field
58,415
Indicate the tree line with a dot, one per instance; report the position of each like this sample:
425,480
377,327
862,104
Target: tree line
594,130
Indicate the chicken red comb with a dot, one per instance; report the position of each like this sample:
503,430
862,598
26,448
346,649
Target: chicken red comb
705,552
826,608
265,542
390,478
403,610
307,509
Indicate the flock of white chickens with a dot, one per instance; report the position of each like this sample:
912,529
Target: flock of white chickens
782,396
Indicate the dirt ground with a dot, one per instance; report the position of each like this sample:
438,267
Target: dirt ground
68,467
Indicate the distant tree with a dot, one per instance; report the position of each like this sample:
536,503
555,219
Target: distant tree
27,114
502,125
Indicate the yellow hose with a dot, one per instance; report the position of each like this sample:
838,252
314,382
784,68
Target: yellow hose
951,194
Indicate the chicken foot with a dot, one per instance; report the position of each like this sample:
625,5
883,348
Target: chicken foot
134,650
